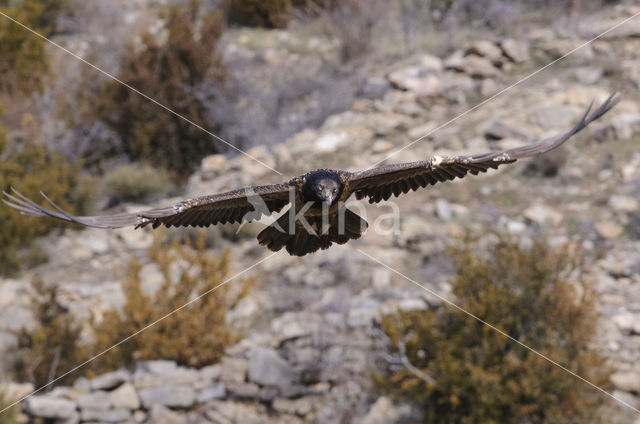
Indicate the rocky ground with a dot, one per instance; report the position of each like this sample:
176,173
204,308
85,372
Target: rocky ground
313,342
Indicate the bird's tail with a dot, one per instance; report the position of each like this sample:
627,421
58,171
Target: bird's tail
345,225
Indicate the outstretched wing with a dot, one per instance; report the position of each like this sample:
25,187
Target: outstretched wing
380,183
232,206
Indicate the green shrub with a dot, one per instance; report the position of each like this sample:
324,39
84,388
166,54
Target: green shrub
31,168
481,376
135,183
197,335
23,59
171,74
53,346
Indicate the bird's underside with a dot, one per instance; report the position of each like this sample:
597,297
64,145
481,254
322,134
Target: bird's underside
317,217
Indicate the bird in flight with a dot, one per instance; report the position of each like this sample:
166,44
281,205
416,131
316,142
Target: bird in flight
317,217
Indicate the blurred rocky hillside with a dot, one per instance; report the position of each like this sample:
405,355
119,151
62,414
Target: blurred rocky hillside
311,338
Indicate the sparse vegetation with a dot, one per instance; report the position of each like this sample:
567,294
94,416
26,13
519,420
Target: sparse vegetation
481,376
170,73
24,62
9,416
32,168
198,334
135,183
53,346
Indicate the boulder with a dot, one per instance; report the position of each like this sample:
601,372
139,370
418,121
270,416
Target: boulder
105,415
479,67
386,411
541,214
95,400
266,367
485,48
214,391
169,396
125,397
51,407
628,381
162,415
110,380
515,51
609,229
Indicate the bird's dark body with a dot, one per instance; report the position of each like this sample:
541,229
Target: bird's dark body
317,217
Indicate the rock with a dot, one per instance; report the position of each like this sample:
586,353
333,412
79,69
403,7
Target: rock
541,214
628,381
95,242
374,87
479,67
214,391
381,146
516,51
547,165
380,278
14,391
405,78
557,116
157,367
620,127
516,227
455,62
609,229
242,390
362,316
172,397
484,48
428,86
627,323
226,412
331,142
488,87
625,204
47,406
385,411
418,77
211,372
430,63
385,123
301,406
498,130
443,210
162,415
422,130
233,369
588,74
105,415
289,326
95,400
125,397
409,305
213,165
266,367
151,278
110,380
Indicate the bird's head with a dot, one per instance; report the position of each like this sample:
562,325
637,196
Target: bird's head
326,190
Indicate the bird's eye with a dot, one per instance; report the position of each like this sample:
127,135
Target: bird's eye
333,191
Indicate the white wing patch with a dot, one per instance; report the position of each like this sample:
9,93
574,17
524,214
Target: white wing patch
436,161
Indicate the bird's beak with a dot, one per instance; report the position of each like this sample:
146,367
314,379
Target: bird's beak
327,197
